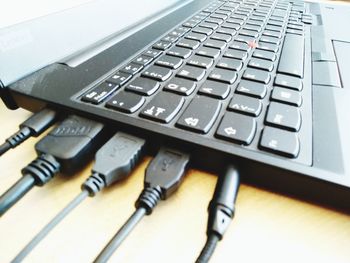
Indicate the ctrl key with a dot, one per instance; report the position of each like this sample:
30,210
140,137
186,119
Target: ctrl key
282,142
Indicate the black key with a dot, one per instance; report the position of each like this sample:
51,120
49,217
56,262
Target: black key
163,107
157,73
231,26
200,114
219,16
256,75
152,53
246,105
191,23
281,142
264,55
255,23
188,43
208,52
179,52
295,27
253,89
222,37
119,78
143,86
196,36
245,39
214,89
208,25
143,60
180,86
260,64
215,44
162,45
267,47
230,63
223,75
126,102
191,73
132,68
275,23
271,40
99,93
228,13
257,18
272,34
200,61
292,56
169,62
235,21
244,17
295,32
274,28
238,54
203,30
227,31
253,28
217,21
248,33
237,128
240,46
291,97
170,38
283,116
288,82
177,33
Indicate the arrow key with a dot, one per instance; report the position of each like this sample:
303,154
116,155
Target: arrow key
246,105
237,128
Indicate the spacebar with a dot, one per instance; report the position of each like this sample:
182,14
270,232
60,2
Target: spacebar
292,56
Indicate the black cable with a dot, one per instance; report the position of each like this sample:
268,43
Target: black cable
208,249
163,176
122,233
114,161
19,189
58,218
66,149
221,211
33,126
4,147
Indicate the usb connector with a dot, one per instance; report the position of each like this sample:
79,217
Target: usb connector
33,126
163,176
113,162
66,149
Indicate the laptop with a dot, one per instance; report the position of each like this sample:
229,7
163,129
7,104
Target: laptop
260,83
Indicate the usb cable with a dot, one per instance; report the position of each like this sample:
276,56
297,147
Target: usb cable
66,149
221,211
163,176
33,126
114,161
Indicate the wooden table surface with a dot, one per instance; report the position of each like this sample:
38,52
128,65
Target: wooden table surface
268,227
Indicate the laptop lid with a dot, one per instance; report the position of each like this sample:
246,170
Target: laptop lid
68,31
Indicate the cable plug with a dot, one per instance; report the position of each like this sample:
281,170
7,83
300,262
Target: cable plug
222,206
33,126
163,176
67,148
114,161
221,211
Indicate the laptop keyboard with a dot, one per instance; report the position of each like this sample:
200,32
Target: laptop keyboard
232,72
